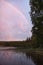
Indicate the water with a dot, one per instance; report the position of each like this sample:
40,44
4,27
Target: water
12,57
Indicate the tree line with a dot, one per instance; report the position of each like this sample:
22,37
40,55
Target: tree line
37,21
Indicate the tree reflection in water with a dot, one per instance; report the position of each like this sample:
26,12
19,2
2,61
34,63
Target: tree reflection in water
38,59
11,57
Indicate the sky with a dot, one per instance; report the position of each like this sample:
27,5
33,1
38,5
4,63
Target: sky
15,21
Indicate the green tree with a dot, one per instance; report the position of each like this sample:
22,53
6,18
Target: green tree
37,20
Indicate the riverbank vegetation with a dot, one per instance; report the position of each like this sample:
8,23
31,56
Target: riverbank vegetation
29,43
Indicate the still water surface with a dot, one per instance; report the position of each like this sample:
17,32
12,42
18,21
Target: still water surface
12,57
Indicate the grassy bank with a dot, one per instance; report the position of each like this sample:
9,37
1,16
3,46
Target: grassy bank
35,50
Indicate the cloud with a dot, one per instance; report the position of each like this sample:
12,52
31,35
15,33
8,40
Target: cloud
13,24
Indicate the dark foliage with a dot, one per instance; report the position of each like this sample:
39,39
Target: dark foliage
37,20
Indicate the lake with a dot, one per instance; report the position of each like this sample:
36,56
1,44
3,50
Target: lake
9,56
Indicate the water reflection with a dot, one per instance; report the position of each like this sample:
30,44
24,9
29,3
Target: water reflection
11,57
37,58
